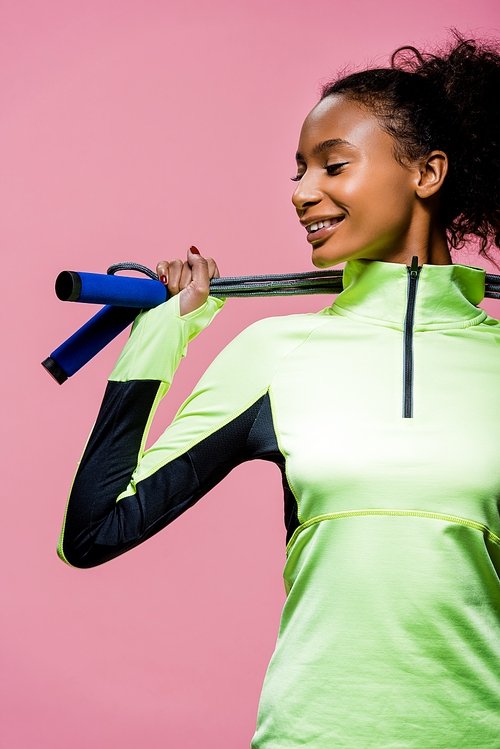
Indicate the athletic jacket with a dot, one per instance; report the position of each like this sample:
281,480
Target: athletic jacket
383,414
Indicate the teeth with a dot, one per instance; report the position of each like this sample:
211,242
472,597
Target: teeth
320,225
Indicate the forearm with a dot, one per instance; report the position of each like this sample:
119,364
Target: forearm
97,526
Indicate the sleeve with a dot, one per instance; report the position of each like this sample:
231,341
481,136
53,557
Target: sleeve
122,495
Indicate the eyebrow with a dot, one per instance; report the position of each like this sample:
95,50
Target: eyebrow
324,146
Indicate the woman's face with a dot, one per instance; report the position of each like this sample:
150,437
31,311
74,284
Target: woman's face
350,179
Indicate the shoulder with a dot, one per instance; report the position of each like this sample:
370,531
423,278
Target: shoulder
285,331
490,326
259,350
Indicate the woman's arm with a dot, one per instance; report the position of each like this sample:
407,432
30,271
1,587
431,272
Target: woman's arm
122,495
115,447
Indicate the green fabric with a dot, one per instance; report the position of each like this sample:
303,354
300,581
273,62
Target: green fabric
159,340
390,635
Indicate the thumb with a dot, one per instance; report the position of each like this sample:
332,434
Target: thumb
196,292
199,268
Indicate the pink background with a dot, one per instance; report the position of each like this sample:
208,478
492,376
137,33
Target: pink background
131,129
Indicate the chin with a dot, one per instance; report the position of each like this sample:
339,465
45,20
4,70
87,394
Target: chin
326,262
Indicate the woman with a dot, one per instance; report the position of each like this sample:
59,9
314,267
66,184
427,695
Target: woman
382,413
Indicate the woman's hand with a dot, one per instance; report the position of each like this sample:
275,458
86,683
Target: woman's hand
191,279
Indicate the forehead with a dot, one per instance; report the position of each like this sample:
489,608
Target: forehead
337,117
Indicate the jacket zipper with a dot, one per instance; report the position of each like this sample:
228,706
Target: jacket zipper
413,276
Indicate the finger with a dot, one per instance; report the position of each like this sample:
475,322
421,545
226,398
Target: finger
213,271
186,276
162,271
174,275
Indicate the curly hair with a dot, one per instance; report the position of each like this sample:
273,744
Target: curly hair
448,101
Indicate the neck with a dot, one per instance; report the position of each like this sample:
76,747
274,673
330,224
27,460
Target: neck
438,252
426,238
430,234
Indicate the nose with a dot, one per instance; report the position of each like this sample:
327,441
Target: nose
307,192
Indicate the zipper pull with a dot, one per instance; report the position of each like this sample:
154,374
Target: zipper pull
414,267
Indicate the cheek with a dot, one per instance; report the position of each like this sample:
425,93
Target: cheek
383,196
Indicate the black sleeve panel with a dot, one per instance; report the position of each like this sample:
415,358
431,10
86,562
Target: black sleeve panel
109,459
264,443
97,527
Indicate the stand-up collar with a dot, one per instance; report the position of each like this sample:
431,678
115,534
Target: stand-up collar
377,292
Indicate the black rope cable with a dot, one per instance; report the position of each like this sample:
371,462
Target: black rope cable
282,284
132,266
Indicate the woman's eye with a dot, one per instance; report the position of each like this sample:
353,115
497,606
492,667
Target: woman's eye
331,170
334,168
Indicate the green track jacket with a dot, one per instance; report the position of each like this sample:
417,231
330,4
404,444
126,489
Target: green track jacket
383,414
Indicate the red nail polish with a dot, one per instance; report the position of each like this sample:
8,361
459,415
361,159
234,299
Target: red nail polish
194,250
163,279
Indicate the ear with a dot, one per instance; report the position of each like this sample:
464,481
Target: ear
432,171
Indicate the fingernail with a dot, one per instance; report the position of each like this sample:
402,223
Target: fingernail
163,279
194,250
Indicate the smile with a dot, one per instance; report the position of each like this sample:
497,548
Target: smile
311,228
317,231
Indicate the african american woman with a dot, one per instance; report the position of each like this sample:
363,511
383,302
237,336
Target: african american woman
382,413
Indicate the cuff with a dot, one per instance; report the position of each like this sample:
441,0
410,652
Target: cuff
159,340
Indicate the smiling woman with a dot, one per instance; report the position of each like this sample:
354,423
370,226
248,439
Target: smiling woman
390,635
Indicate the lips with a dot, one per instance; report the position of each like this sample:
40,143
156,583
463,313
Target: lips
321,228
